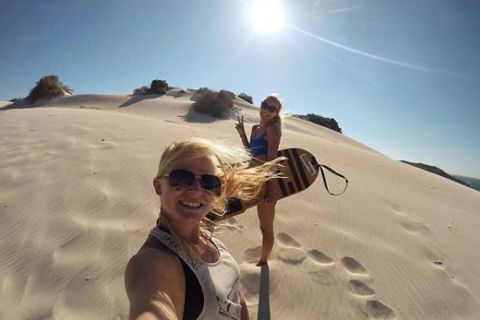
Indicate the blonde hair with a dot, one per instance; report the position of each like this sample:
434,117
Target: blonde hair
276,98
239,178
280,119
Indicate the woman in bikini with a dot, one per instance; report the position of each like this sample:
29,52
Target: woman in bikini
181,271
263,144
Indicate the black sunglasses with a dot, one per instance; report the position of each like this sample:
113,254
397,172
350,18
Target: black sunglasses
270,108
185,178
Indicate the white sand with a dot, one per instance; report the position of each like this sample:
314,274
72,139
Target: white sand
76,202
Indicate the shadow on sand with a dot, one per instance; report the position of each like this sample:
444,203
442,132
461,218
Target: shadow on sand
139,98
264,297
20,104
193,116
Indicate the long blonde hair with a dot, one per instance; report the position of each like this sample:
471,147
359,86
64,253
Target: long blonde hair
239,179
279,120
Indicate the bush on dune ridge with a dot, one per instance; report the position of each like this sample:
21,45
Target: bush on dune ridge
159,87
226,94
215,104
325,122
141,91
246,97
202,90
242,95
156,87
48,86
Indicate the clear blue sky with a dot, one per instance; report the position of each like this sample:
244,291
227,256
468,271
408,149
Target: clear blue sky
400,76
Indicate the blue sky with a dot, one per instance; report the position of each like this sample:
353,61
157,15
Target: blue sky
400,76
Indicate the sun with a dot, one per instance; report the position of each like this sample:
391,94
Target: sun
267,15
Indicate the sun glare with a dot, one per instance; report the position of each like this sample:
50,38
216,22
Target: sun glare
267,15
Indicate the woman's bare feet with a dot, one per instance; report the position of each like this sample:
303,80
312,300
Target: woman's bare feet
262,262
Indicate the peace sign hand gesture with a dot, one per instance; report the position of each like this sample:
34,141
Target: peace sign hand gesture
241,131
240,127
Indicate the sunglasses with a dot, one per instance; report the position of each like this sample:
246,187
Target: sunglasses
185,178
268,107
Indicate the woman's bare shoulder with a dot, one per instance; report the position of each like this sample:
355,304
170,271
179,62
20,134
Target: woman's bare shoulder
153,260
274,130
155,255
159,268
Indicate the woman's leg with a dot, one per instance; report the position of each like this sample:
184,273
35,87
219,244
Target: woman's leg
266,214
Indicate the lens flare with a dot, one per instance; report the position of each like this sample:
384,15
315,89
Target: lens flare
267,15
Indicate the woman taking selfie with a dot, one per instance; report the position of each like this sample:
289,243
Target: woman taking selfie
181,271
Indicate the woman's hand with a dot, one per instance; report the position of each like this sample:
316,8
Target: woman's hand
240,127
241,131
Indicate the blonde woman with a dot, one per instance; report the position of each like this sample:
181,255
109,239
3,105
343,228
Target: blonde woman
182,272
263,144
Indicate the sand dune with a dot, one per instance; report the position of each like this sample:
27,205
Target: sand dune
4,103
76,202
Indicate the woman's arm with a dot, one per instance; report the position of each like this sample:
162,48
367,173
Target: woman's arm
273,139
155,286
244,311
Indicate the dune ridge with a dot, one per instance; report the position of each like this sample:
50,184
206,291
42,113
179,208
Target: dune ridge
76,202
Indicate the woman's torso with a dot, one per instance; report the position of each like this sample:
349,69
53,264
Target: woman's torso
219,281
258,141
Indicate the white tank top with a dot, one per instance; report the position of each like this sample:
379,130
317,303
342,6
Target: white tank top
219,280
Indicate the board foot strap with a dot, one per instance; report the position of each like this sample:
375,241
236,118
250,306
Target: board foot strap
321,167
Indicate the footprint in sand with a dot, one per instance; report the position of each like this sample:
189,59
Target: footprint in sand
292,252
395,207
287,241
353,266
292,256
310,269
360,289
377,310
251,255
230,225
452,227
319,257
415,227
289,251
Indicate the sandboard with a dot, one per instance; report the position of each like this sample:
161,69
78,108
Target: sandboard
299,170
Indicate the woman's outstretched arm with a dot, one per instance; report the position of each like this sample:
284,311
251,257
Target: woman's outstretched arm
155,286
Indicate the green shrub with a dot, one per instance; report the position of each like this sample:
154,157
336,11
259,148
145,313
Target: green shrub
156,87
326,122
225,94
246,97
48,86
203,90
141,91
216,104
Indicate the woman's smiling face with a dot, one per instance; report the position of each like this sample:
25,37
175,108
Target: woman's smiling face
269,109
187,204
